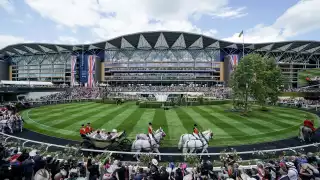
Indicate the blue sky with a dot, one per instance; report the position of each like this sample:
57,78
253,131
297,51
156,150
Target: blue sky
85,21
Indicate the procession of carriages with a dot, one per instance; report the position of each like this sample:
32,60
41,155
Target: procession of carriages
118,143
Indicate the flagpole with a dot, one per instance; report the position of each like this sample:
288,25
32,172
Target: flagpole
242,44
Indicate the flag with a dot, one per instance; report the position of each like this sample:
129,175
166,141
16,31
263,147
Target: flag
91,72
73,70
241,33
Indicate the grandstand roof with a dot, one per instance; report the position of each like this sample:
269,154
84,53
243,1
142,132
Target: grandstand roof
161,40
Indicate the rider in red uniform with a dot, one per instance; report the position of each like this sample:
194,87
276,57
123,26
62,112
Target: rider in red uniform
196,131
150,132
309,124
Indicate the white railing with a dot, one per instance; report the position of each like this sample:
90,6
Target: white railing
162,154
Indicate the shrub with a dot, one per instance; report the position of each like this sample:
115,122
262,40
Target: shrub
292,94
216,102
107,101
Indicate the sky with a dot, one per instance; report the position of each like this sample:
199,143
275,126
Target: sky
89,21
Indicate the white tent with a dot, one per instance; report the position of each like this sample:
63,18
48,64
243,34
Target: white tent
27,83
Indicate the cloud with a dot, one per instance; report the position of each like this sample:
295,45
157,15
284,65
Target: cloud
69,13
19,21
6,40
67,40
109,18
299,19
7,5
228,12
29,16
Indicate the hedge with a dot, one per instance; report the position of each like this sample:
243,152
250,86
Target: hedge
107,101
156,104
150,104
216,102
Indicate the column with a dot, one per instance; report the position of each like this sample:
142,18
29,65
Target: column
10,72
102,71
222,71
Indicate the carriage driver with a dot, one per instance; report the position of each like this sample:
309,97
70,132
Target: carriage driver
88,128
196,131
83,131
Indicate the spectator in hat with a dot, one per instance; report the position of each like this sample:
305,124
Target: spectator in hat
292,171
120,171
154,169
28,166
42,174
93,169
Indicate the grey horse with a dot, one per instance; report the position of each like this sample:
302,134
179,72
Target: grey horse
305,133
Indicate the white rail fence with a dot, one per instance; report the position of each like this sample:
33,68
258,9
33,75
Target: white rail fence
162,154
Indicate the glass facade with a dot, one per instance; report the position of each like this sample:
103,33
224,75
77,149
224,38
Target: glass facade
44,67
155,56
162,65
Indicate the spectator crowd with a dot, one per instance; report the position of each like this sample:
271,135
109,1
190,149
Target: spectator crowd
10,120
29,164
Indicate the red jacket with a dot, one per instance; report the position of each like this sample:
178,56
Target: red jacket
309,124
88,129
83,131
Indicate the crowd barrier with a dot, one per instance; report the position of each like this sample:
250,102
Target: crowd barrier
162,154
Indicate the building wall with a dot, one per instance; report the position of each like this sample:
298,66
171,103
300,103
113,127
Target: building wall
4,70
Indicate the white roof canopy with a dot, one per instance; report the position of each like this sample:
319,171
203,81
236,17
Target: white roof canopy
35,83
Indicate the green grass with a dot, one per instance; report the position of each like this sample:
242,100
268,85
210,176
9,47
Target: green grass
307,73
230,128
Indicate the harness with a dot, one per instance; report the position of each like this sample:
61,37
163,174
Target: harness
201,141
150,140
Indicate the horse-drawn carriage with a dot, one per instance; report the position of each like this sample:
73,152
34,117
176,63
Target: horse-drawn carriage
118,143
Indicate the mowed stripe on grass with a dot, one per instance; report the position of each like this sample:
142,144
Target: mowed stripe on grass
69,115
222,124
142,124
229,128
40,113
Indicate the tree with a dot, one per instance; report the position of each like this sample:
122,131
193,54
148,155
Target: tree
255,78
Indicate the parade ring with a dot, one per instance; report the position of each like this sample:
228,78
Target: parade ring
230,128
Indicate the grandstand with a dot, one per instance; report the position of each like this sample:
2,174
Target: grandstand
156,58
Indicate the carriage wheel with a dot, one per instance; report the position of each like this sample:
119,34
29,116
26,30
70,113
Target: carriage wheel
125,145
114,146
86,145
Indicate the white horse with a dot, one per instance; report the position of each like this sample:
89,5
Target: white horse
198,144
187,137
140,144
145,136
